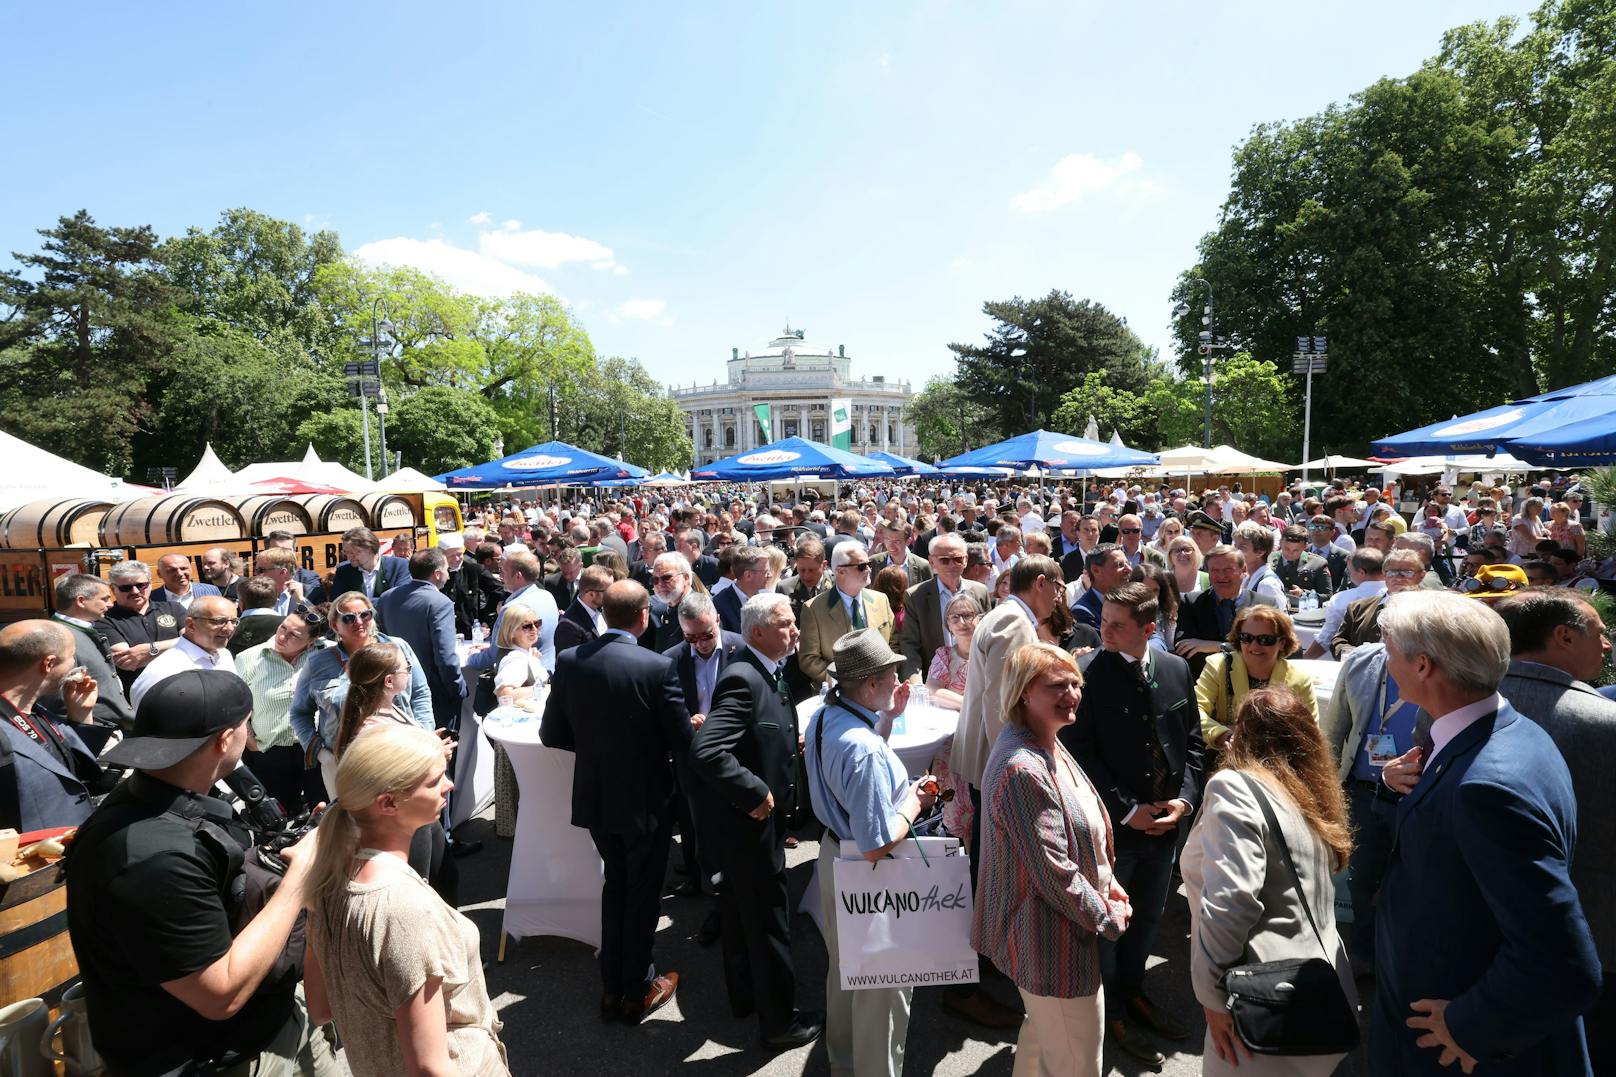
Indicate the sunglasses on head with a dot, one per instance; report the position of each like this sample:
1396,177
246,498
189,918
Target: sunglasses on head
1263,639
361,617
313,618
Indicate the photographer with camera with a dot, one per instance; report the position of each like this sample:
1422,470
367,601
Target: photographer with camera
179,976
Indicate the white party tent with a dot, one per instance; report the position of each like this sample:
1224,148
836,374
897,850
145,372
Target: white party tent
209,473
32,474
409,480
310,469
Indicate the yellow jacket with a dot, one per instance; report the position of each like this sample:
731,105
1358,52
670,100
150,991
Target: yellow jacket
1218,706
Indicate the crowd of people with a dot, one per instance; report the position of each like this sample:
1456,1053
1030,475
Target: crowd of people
1134,706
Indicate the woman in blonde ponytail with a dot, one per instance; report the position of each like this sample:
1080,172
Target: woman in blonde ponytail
401,969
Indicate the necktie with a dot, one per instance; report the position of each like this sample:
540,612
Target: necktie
780,688
858,612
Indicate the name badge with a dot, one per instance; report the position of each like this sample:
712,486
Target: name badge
1382,749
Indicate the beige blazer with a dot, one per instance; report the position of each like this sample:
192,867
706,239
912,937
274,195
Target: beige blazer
998,634
824,621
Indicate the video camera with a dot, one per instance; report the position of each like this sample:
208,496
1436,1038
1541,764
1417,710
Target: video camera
272,829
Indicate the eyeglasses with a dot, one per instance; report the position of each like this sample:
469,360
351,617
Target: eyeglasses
231,621
1130,530
666,577
949,559
962,618
864,567
528,626
694,638
313,618
1264,639
1183,553
1497,583
361,617
1404,573
126,588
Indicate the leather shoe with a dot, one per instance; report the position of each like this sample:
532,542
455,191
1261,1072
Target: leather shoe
660,994
459,849
611,1007
1133,1040
978,1007
1156,1019
804,1029
688,888
710,929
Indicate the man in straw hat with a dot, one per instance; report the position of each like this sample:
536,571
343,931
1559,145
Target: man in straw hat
861,793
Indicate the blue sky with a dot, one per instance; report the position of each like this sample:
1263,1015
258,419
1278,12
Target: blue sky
690,176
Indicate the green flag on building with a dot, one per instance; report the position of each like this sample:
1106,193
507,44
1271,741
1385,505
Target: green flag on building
762,413
841,424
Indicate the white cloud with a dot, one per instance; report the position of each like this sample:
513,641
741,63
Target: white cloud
479,218
469,271
511,225
1078,175
645,310
544,250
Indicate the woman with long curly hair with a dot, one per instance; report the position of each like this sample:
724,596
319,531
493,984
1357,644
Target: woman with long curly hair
1245,905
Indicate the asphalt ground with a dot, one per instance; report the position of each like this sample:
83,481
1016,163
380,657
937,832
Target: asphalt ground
547,992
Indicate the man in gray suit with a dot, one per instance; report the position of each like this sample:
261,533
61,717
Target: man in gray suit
47,775
892,537
925,604
1557,644
81,601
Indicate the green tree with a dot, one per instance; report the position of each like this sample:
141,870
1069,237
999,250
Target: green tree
1039,349
1113,410
1252,409
440,429
339,435
619,410
83,323
949,420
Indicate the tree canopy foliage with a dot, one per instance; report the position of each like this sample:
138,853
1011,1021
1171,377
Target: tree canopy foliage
126,353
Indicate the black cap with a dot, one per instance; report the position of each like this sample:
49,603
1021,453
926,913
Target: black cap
181,713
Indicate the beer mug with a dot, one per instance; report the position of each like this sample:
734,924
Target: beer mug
21,1025
73,1022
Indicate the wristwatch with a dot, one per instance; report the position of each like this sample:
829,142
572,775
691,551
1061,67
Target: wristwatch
152,647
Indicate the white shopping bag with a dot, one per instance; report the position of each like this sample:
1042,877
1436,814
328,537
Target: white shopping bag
904,921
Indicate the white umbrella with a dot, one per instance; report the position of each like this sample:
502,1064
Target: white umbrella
1338,463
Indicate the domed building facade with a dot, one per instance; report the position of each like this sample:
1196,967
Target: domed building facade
801,384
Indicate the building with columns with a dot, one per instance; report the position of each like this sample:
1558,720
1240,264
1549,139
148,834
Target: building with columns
797,380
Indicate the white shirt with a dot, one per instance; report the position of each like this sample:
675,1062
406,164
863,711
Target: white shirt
541,602
1032,522
770,666
1263,582
367,580
1450,725
1337,609
182,656
847,606
706,676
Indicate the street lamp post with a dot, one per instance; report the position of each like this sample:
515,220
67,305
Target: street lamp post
1312,354
1208,346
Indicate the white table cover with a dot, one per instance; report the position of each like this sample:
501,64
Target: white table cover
556,873
921,731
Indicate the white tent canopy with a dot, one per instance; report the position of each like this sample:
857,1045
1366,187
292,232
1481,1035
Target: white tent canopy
1338,463
209,472
409,480
310,469
1218,460
32,474
1435,465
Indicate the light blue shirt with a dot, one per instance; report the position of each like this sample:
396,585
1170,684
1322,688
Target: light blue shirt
323,685
858,783
847,606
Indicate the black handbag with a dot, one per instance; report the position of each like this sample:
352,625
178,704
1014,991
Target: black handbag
1291,1007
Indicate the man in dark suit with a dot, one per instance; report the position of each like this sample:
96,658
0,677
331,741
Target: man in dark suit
620,709
1203,625
689,542
475,592
892,548
926,604
418,612
81,602
364,568
1297,569
313,589
646,549
746,753
1321,544
580,622
1482,953
810,580
670,580
1107,569
751,567
47,775
1087,531
699,657
1138,737
1558,643
563,582
255,597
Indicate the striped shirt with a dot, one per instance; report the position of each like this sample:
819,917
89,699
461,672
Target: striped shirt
273,680
1045,867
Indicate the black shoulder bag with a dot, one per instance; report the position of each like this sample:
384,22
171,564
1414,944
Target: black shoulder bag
1295,1006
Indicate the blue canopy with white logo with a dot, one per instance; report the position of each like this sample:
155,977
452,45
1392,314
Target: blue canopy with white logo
1548,429
903,465
542,465
791,458
1049,449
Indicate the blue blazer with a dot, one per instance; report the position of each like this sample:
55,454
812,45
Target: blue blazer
1478,908
390,572
198,590
685,663
728,604
47,793
618,708
423,616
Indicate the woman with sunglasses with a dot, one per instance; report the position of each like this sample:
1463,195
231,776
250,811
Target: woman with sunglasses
1261,639
1168,530
323,684
271,671
945,680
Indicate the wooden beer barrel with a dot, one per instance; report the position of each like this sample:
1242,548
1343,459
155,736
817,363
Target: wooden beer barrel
55,524
388,511
36,955
158,521
333,513
263,513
